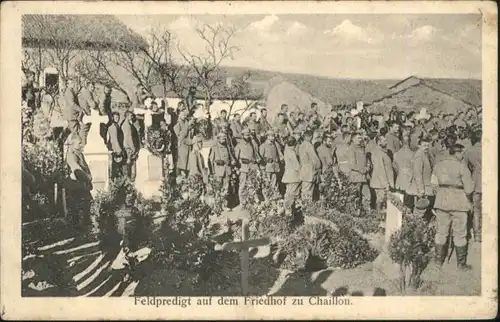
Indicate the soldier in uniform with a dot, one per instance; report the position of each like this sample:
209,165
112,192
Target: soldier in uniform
473,159
358,165
105,109
403,170
342,147
72,112
236,128
247,157
420,183
87,103
272,157
264,125
326,154
183,135
220,162
281,129
310,168
131,145
392,137
382,176
79,183
114,140
452,203
196,164
291,176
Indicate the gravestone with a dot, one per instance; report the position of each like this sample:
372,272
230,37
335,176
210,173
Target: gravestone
383,264
149,167
96,153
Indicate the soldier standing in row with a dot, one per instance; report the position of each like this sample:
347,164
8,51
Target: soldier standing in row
247,157
131,145
291,176
473,159
310,167
79,183
182,132
358,165
272,157
220,162
88,104
452,204
382,177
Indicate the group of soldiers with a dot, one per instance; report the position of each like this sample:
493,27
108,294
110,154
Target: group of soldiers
433,161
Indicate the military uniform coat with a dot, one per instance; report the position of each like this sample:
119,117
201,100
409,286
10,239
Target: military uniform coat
309,161
382,176
79,167
473,159
326,156
72,110
292,166
217,154
131,140
358,162
196,164
114,138
454,184
181,130
342,153
402,164
245,150
420,182
393,143
271,155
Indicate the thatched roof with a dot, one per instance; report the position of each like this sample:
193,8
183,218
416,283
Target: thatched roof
79,32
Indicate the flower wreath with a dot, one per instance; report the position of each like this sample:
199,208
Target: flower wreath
158,141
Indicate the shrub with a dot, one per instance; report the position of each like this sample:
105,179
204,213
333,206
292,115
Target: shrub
336,247
183,241
410,246
107,203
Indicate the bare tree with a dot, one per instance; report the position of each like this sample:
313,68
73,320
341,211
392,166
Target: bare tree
204,71
96,67
167,71
239,89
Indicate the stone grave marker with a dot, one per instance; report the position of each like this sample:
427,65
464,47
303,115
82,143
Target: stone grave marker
96,153
149,167
393,221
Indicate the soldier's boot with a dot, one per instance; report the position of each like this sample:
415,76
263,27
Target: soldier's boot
433,272
462,259
440,254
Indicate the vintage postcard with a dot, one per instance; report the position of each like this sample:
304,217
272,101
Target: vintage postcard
248,160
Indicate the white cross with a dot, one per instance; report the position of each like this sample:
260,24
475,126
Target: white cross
243,246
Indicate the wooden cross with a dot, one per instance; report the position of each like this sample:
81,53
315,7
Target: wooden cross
243,246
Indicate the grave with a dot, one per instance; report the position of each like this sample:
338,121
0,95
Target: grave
96,153
383,263
149,167
243,246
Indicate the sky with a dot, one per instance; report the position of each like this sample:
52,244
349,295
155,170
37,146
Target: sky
362,46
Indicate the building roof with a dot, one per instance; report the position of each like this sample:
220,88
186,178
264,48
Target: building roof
338,91
79,31
465,90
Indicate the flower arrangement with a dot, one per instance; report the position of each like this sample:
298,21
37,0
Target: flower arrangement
158,141
411,245
204,128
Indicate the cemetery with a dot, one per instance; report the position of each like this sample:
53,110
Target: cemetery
182,243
